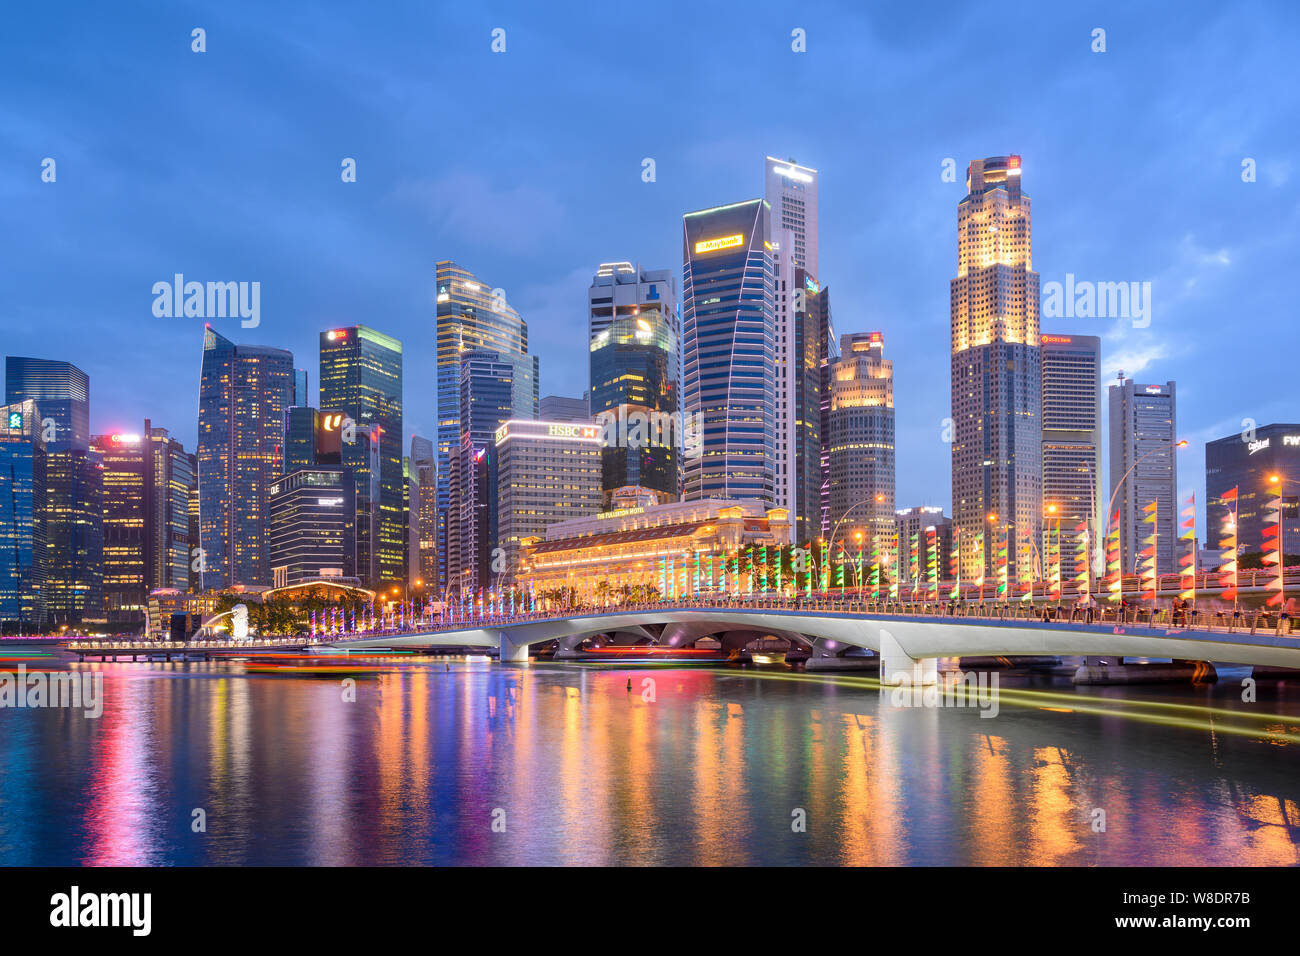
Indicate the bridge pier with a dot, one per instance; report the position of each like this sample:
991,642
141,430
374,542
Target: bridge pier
899,667
511,653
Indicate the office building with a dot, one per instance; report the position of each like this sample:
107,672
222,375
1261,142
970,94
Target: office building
729,363
545,472
558,408
126,476
244,393
996,382
361,376
472,315
1144,469
23,551
1071,441
791,192
170,474
73,488
1262,465
425,464
915,525
860,443
313,533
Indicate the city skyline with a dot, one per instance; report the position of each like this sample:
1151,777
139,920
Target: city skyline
516,220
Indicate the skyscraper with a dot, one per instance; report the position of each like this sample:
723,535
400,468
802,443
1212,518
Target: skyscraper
487,397
244,392
23,552
729,361
361,376
634,398
1263,465
425,465
313,533
792,195
170,476
860,445
809,354
560,408
73,485
473,315
1144,469
1072,439
126,476
996,369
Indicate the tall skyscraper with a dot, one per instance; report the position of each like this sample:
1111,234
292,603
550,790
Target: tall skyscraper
73,485
1143,439
61,392
361,376
23,552
472,315
792,195
244,393
126,476
634,398
487,401
809,354
170,475
1072,440
546,472
425,464
997,475
729,361
860,445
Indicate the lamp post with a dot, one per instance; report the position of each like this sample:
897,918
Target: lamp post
1119,484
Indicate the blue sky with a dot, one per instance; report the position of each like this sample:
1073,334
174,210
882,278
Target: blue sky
525,167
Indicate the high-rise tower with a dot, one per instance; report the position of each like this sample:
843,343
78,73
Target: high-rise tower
996,370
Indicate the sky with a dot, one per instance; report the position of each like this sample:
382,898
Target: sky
525,167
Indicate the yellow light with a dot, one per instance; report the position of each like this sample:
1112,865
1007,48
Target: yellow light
724,242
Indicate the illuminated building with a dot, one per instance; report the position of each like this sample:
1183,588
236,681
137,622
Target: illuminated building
814,350
634,397
23,552
361,376
1072,437
1249,462
300,424
729,363
244,392
996,365
424,512
1143,436
73,488
313,530
636,547
126,476
168,547
860,444
487,401
472,315
545,472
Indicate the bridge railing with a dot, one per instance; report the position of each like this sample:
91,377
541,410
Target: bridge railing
1239,620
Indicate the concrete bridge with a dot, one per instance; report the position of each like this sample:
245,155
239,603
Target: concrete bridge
908,638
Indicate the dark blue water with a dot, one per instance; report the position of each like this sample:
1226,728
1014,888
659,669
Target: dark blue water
574,769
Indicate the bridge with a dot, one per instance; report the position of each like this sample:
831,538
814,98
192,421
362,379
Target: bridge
908,638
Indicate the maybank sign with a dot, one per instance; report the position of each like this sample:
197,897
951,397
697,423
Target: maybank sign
722,242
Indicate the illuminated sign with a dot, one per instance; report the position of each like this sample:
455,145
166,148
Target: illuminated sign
1258,445
122,439
1056,339
332,421
723,242
574,431
810,283
330,502
15,419
1291,439
336,334
527,429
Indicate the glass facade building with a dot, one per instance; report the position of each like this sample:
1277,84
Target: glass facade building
313,533
729,364
1072,438
361,375
126,568
62,394
23,551
860,443
471,315
244,393
1248,463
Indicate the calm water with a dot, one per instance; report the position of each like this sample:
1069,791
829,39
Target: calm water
585,772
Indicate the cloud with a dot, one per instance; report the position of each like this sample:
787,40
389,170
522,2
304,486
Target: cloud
469,208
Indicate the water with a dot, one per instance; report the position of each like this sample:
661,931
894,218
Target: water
714,770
